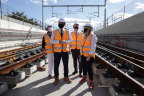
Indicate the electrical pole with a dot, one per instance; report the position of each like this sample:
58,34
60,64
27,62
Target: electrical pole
42,16
1,8
124,13
105,15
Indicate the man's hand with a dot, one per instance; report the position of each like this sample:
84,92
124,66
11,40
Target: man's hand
64,41
88,58
60,42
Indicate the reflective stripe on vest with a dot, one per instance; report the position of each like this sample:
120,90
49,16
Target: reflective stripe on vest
48,49
76,45
61,47
48,45
85,51
76,40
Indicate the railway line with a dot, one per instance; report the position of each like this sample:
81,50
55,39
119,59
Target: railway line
17,58
116,68
16,64
112,63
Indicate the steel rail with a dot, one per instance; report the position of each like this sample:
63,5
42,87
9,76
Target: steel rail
11,52
134,66
130,82
19,64
129,53
137,61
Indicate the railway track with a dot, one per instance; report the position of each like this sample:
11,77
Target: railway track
121,64
10,52
11,55
131,55
15,59
16,64
129,72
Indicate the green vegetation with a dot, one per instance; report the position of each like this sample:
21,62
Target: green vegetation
22,17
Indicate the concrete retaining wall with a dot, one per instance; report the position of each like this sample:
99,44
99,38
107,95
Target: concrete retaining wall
129,25
10,23
128,33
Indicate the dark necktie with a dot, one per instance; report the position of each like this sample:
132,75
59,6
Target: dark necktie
61,32
76,33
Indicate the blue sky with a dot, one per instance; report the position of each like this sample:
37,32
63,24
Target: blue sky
32,8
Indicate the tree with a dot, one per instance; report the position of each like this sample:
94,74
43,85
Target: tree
22,17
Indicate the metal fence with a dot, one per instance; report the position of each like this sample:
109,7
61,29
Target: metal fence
132,8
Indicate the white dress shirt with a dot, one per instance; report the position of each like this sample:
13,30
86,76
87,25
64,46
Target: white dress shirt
57,41
93,44
76,33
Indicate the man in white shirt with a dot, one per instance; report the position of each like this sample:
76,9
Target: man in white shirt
60,39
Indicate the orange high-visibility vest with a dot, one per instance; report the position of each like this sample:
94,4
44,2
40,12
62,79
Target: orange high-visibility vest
87,46
48,46
61,47
76,40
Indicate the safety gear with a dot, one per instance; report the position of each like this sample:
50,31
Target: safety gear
50,29
49,34
77,40
60,25
61,47
67,80
56,81
76,27
61,20
84,78
87,46
49,25
85,30
48,46
88,25
75,24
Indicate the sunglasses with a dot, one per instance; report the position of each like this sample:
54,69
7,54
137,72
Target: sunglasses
76,27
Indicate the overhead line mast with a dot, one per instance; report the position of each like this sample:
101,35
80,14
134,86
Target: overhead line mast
104,5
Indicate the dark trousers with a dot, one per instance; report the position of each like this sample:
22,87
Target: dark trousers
87,66
57,59
75,55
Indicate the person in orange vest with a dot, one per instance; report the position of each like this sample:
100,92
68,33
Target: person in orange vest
88,54
76,44
61,40
48,49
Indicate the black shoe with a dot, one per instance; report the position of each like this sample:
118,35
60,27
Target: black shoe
49,77
74,72
80,76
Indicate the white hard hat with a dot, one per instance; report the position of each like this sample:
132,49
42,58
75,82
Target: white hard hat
61,20
75,24
49,25
88,25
